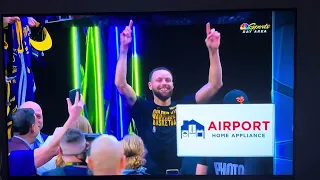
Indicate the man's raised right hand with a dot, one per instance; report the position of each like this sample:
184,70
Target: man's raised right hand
75,109
126,37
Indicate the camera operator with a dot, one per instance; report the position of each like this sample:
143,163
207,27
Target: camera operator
73,150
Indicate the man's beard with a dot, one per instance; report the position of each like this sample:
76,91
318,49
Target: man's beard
163,97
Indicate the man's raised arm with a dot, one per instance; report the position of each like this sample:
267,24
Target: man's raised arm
215,71
121,71
43,154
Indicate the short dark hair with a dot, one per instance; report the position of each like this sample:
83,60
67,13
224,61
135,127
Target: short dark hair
73,141
157,69
73,135
22,121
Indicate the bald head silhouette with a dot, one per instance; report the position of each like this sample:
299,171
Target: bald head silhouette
106,156
37,109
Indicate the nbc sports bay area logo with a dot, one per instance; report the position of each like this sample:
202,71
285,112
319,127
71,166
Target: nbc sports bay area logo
254,28
224,129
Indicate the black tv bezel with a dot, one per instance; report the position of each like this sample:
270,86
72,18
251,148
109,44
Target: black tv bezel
306,61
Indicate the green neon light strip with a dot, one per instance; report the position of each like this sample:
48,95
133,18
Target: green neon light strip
95,82
99,79
75,57
135,62
85,78
135,74
89,74
132,75
92,71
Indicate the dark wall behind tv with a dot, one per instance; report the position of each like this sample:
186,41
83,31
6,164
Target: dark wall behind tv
307,54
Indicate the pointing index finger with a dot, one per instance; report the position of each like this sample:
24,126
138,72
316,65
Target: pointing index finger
208,29
130,24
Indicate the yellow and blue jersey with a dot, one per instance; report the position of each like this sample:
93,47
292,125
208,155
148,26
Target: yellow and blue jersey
23,85
18,51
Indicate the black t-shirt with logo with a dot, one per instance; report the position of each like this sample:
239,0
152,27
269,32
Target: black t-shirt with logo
156,125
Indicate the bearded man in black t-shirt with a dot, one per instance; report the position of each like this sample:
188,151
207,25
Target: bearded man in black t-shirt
156,120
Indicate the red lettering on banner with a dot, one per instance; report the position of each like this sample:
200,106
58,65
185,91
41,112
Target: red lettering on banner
265,124
212,126
246,125
234,125
256,125
226,125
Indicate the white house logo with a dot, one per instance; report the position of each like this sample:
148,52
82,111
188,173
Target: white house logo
192,129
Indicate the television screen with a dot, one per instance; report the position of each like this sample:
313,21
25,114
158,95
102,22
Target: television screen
203,93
